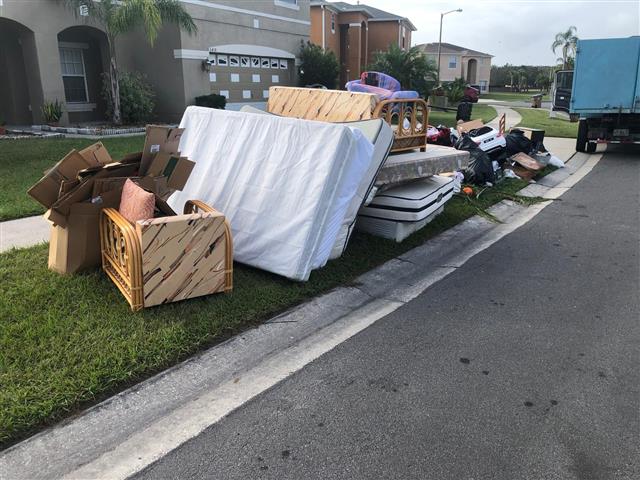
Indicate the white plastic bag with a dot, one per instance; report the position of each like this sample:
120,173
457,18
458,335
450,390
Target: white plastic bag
458,178
556,162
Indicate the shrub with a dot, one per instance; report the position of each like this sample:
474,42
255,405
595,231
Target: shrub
212,101
318,66
136,97
455,90
52,111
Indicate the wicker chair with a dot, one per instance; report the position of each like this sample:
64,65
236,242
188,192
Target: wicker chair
167,259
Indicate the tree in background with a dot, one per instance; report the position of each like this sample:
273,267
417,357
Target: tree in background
411,68
543,82
567,41
318,66
122,16
512,76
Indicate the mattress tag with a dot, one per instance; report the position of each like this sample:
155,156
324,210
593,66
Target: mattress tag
154,149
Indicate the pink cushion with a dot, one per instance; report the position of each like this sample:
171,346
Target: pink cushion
136,203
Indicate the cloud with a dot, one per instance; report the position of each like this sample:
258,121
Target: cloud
516,32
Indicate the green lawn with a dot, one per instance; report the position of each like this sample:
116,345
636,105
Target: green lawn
553,127
512,96
479,111
69,341
22,163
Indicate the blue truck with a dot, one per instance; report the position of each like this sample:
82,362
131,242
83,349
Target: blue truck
603,90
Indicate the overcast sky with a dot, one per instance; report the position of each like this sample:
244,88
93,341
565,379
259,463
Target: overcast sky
515,31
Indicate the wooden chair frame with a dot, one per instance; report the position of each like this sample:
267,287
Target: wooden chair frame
122,255
415,111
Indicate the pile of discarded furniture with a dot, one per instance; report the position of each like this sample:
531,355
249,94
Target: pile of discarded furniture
289,187
115,214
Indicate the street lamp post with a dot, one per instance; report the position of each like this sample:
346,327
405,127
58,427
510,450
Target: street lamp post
440,39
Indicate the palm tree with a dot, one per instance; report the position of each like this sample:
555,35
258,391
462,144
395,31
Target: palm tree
410,67
567,40
121,16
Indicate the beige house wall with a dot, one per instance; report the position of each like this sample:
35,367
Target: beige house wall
174,66
483,71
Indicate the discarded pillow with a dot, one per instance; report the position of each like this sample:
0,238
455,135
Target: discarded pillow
136,203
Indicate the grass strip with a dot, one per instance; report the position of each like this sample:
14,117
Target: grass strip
67,342
479,112
553,127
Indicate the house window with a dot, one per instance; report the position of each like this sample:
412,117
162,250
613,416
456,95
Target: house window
73,75
333,23
483,85
453,61
404,33
287,4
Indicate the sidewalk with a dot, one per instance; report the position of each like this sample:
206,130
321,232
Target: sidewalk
23,232
511,116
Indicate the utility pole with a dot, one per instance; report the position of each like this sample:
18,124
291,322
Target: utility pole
440,38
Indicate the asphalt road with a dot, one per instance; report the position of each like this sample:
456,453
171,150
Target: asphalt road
522,364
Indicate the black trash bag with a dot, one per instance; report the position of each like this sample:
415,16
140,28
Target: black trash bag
517,142
444,136
480,169
464,111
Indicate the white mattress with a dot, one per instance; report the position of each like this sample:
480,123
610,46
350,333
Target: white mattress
380,134
391,229
411,202
285,184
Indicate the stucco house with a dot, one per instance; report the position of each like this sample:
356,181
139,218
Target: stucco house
49,52
355,32
456,62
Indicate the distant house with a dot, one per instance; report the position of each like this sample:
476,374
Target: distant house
355,32
50,52
456,62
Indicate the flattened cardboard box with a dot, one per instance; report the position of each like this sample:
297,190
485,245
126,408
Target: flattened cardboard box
159,139
468,126
47,189
96,154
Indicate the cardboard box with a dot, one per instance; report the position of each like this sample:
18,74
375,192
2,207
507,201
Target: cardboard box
468,126
176,169
47,189
62,207
76,246
101,185
159,139
96,154
59,180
